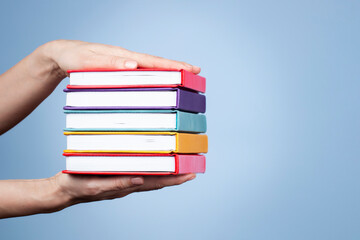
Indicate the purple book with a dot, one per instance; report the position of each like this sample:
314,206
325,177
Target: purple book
185,100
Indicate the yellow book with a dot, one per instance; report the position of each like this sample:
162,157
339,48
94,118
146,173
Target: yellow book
136,142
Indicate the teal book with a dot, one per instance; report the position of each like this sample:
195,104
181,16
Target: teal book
134,120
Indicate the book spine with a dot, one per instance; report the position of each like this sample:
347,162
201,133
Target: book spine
191,143
190,164
190,101
193,81
190,122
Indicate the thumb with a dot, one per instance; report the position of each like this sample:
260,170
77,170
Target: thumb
109,62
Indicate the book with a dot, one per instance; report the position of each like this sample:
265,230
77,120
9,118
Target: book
134,120
134,164
136,142
135,98
122,78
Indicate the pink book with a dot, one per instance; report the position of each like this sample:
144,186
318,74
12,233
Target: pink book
133,164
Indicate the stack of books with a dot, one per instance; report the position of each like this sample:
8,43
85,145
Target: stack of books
144,121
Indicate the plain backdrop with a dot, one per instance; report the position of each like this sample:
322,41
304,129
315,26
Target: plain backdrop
282,107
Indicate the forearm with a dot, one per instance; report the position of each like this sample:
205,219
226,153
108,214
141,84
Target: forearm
26,85
26,197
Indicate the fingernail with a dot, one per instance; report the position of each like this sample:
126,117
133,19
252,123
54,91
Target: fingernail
131,64
137,181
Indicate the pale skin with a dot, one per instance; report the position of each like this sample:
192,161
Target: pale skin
27,84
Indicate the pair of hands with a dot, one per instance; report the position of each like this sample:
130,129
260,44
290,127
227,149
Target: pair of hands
43,70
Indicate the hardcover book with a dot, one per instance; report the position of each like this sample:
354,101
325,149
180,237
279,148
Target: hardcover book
134,164
143,78
136,142
134,120
135,98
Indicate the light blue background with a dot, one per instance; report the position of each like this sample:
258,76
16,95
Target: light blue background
283,118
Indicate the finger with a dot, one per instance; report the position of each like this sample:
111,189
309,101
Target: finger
149,61
99,61
144,60
158,182
120,183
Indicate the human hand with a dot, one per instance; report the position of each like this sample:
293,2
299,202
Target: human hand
72,55
85,188
27,197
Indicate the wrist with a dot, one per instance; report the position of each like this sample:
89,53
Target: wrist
42,66
54,198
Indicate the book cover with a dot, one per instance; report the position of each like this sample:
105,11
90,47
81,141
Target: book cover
148,142
184,121
182,164
188,80
185,100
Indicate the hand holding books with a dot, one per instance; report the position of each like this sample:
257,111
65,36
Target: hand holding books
74,55
87,188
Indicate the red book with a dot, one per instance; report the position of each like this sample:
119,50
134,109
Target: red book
137,78
133,164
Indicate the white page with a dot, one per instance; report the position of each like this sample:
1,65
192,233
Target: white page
123,163
121,120
122,142
129,78
122,98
